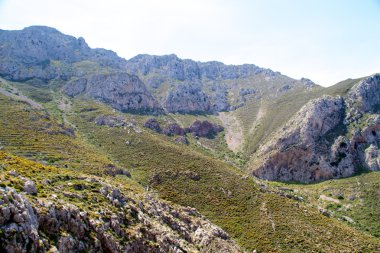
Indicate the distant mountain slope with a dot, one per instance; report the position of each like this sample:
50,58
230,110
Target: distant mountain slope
44,56
43,53
208,86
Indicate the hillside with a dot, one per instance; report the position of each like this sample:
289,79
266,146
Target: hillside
160,154
329,137
181,174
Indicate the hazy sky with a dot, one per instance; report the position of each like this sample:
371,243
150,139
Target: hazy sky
324,40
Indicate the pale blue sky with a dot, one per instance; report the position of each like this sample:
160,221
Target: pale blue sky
325,40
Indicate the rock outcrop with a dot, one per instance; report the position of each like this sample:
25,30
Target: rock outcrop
122,91
153,124
27,227
122,222
187,98
43,53
207,86
204,129
363,98
330,137
110,121
173,129
293,155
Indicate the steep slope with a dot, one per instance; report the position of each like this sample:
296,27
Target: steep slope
43,53
192,87
330,137
44,56
255,217
249,213
121,90
353,200
49,209
103,157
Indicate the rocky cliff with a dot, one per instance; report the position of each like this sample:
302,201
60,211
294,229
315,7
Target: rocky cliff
208,86
122,91
330,137
43,53
39,55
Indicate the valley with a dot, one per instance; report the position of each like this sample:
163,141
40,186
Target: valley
74,143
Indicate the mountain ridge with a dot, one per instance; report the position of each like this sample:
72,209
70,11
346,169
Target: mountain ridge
86,132
41,54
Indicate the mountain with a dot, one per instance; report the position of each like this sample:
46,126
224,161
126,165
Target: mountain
41,55
188,86
162,154
44,53
330,137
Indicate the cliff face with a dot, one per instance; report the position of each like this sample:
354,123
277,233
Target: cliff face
188,86
187,98
330,137
41,54
122,91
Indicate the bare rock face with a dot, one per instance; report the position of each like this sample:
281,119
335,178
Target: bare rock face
122,91
363,98
187,98
44,53
18,223
372,158
328,138
296,154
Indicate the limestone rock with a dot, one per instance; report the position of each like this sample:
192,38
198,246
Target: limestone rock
363,97
316,145
18,223
109,120
372,158
153,124
182,139
204,129
187,98
294,154
30,226
43,53
122,91
30,187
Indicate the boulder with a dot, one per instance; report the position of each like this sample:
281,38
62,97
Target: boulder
173,129
153,124
109,120
30,187
182,139
204,129
372,158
